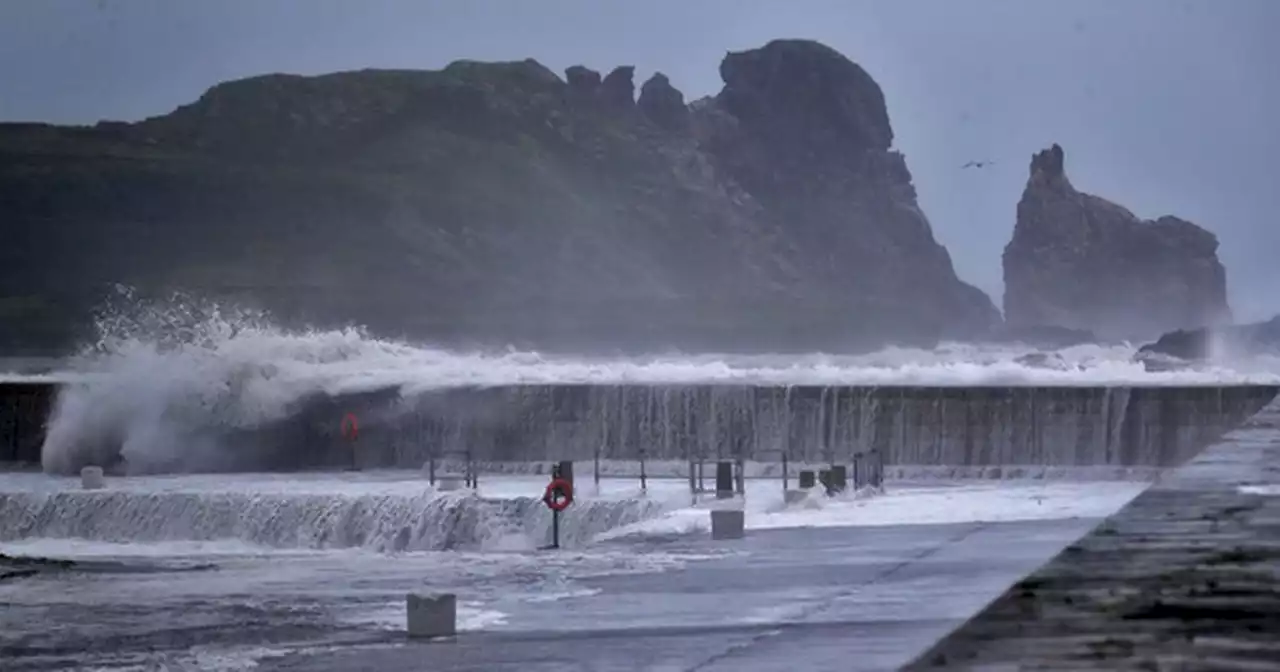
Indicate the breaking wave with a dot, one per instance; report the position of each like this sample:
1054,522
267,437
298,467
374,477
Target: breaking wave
167,379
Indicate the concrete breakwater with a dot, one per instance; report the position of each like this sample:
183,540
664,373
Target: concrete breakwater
24,410
953,426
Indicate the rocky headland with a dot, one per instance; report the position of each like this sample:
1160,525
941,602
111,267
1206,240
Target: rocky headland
500,203
1222,342
1082,262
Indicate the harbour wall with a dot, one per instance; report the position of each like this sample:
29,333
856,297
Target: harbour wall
930,426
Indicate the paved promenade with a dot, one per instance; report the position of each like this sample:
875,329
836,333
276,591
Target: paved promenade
1187,577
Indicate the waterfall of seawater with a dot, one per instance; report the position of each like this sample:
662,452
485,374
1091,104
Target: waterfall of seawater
386,523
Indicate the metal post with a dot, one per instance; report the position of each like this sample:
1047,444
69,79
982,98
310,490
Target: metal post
555,529
724,479
597,468
784,471
431,470
644,479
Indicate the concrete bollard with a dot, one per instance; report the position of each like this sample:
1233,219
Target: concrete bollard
807,479
794,496
838,478
432,615
728,524
91,478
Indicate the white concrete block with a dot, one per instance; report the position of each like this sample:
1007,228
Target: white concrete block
432,615
728,524
91,478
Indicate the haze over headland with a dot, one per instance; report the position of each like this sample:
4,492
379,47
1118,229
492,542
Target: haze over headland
1180,124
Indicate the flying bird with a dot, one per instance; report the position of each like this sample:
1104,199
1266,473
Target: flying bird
977,164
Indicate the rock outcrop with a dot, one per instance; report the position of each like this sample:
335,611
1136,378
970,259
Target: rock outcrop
663,103
1083,262
806,133
1240,340
497,203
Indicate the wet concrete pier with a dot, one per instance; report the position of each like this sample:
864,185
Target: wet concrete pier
1184,577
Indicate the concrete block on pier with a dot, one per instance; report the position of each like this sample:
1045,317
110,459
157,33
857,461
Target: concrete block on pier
91,478
807,479
431,616
728,524
838,478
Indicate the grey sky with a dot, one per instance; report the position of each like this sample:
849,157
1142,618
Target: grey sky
1166,106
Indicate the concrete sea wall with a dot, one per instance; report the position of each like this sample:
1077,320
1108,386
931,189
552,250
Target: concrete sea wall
24,408
951,426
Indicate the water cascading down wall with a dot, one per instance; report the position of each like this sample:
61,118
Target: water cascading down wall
942,426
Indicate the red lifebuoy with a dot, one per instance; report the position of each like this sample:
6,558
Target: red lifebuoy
350,426
559,495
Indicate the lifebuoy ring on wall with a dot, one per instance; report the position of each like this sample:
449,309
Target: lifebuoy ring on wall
559,495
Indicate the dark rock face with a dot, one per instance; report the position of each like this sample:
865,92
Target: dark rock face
582,80
495,204
806,133
1227,341
1082,262
618,90
663,104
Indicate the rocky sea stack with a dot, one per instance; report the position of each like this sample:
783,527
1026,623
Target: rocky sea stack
499,203
1082,262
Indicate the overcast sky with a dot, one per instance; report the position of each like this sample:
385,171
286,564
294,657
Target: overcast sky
1166,106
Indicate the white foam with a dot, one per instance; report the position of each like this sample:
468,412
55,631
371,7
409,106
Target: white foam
1264,490
985,502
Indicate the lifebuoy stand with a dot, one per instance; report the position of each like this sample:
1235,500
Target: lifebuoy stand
558,496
